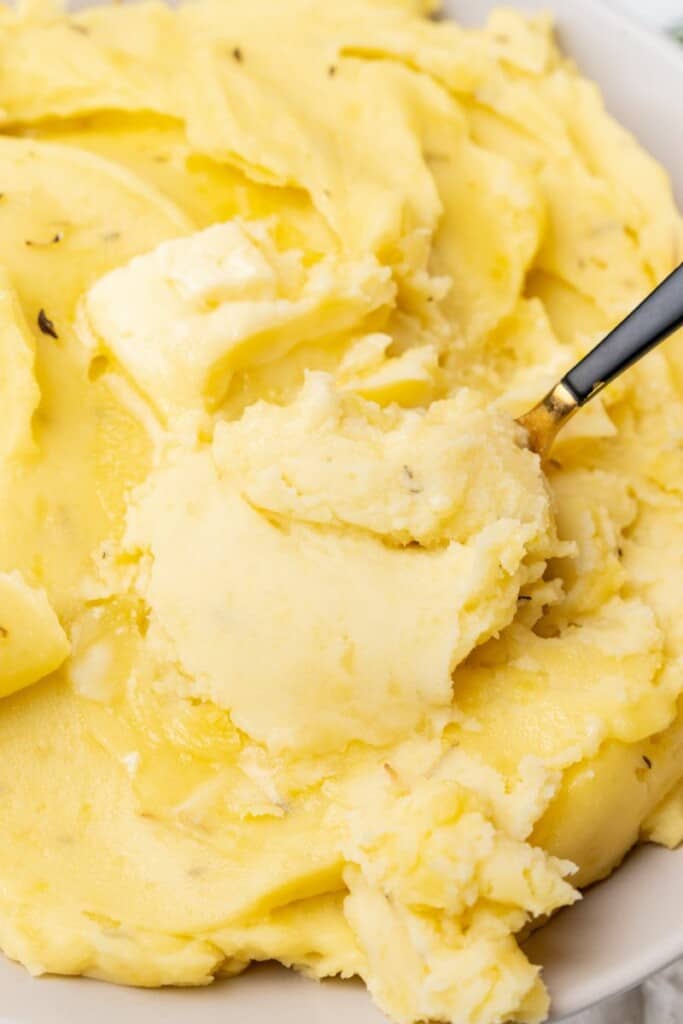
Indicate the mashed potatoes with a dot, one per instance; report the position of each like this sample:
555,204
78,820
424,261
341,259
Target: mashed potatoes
301,655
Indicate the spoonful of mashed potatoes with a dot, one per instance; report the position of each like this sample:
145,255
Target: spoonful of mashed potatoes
654,319
303,654
358,552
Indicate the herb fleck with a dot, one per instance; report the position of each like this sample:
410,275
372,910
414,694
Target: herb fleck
410,476
238,55
3,633
46,325
620,552
647,761
57,237
332,70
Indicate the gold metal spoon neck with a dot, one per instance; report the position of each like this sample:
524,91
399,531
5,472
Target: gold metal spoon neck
545,420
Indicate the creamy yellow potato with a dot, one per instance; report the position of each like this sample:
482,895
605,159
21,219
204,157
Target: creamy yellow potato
302,655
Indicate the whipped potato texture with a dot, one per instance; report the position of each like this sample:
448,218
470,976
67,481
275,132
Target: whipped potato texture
303,655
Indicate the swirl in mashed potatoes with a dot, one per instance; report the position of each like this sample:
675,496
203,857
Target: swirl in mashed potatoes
302,656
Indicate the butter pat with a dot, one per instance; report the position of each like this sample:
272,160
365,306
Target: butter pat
180,320
32,642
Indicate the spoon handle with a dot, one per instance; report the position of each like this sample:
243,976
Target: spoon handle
649,323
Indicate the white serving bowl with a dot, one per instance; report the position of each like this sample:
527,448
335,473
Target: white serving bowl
625,928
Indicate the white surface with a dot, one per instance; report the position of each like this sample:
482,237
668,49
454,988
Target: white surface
663,14
625,928
658,1001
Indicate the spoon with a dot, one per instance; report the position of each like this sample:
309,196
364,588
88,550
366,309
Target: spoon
652,321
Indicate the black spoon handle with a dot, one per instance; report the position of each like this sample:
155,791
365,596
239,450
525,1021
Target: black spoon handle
649,323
